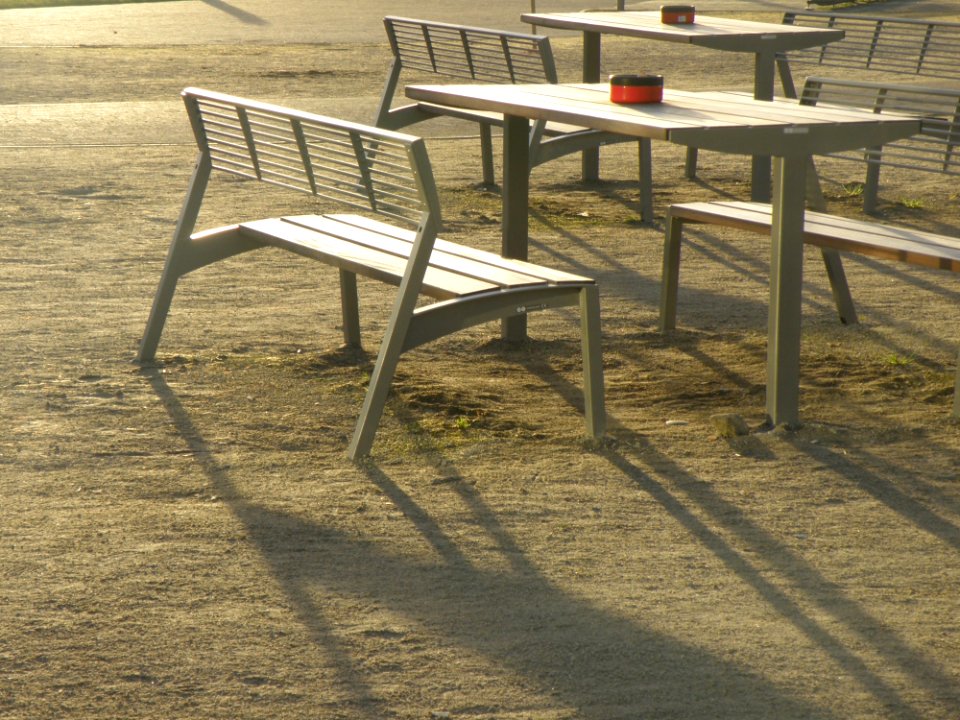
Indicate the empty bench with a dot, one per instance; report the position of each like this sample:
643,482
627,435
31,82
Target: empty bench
876,44
891,52
936,149
423,48
825,231
382,183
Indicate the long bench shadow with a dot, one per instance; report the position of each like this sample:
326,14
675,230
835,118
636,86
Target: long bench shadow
574,651
241,15
680,492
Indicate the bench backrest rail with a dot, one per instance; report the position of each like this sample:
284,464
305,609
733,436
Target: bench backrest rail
934,149
904,46
470,53
353,165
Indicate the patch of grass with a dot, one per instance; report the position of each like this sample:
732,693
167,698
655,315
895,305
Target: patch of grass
849,190
14,4
898,360
912,203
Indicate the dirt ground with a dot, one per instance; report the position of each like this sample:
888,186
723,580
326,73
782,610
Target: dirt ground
187,540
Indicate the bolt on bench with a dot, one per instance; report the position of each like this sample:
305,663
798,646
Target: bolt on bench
825,231
384,179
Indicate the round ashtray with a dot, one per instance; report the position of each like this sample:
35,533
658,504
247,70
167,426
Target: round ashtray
677,14
631,89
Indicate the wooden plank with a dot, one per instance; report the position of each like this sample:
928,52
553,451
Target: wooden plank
548,274
874,239
476,268
358,258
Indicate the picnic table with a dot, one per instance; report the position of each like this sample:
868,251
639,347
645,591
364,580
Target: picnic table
765,40
721,121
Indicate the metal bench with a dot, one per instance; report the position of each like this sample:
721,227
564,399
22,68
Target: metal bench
384,182
876,44
474,54
825,231
877,49
935,149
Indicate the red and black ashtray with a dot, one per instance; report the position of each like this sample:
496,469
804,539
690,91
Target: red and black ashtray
631,89
677,14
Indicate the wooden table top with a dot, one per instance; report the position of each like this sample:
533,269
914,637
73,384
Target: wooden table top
713,32
717,120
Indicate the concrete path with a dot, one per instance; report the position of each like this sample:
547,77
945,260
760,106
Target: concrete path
188,22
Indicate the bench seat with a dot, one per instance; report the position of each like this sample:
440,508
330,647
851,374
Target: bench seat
873,239
381,251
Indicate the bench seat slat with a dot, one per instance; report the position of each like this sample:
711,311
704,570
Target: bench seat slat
487,268
374,249
547,274
361,259
868,238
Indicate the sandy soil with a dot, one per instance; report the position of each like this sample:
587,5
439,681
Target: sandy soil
187,540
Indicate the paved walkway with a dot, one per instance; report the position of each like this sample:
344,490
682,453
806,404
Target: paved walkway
189,22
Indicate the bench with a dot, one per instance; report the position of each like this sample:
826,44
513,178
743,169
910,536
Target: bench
876,44
880,49
382,183
934,150
822,230
474,54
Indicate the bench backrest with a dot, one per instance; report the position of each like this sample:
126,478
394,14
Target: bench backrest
463,53
903,46
470,53
350,164
934,149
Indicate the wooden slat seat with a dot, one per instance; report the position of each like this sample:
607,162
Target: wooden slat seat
386,176
484,55
869,238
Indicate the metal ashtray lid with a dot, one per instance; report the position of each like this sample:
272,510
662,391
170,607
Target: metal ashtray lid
629,79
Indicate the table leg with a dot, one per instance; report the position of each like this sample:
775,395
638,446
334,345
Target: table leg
590,159
763,80
786,280
516,190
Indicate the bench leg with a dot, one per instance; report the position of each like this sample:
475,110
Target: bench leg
350,308
158,314
956,391
831,258
670,276
690,169
871,185
178,261
593,402
486,154
838,285
646,180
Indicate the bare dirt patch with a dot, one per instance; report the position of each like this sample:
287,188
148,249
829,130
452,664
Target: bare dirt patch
186,539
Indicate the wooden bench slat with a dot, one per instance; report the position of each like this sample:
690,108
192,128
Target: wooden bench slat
360,258
488,268
546,274
869,238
